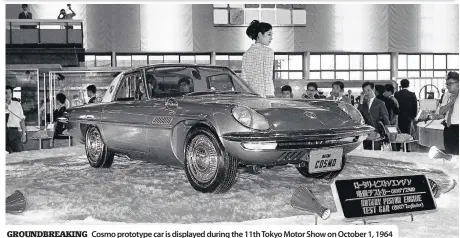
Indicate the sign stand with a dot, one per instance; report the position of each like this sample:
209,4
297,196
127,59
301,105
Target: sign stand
316,219
364,221
411,217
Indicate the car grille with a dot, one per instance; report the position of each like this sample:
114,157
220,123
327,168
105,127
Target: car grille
290,145
161,120
292,156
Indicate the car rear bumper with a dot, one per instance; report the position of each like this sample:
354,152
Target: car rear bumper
291,147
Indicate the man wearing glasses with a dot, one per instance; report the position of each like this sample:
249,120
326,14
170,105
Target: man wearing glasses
449,111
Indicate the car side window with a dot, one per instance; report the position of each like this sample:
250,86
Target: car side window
170,81
131,88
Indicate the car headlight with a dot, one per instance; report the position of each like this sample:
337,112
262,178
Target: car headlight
250,118
352,112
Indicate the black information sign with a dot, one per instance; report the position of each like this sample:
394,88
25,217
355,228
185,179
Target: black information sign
386,195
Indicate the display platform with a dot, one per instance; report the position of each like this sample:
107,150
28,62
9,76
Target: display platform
431,134
61,188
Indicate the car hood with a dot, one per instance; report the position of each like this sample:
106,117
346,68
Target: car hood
291,114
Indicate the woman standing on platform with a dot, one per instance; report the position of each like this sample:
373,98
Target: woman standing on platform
257,69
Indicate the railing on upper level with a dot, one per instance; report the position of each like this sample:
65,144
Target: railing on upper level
43,31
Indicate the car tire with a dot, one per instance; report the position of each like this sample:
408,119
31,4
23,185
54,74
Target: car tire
208,167
325,175
96,151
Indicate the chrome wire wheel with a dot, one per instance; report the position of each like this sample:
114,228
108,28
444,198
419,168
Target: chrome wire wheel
94,145
202,157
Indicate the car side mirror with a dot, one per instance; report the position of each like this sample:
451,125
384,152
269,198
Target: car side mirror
171,103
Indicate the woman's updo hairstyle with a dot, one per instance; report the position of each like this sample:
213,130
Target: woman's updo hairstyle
255,27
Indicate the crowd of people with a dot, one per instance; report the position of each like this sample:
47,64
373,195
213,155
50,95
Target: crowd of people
379,105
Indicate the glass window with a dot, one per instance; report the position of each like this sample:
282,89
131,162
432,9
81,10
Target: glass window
402,61
356,62
342,75
413,61
268,16
327,75
370,75
427,74
220,16
440,62
440,73
299,16
402,74
327,62
384,61
295,75
90,60
315,62
427,61
281,75
251,15
315,75
222,60
171,59
123,60
103,61
128,87
203,59
356,75
295,62
342,62
139,60
236,62
155,59
283,16
370,62
281,62
452,62
187,59
384,75
411,74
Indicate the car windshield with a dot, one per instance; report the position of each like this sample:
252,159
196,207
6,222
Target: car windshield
176,81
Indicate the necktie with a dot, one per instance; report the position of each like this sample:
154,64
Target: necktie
451,110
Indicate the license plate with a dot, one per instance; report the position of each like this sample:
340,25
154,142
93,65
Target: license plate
325,160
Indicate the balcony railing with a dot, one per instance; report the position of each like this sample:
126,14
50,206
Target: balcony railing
43,31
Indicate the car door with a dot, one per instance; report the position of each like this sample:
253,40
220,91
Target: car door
164,113
123,120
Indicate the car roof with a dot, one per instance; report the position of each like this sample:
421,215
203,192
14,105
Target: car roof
173,65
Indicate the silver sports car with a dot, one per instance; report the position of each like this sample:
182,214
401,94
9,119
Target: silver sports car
208,121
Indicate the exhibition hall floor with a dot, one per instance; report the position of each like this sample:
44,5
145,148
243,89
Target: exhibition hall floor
61,188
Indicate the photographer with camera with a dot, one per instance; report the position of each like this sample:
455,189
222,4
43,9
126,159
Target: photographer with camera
66,16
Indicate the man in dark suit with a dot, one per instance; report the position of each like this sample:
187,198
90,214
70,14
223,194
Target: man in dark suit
25,14
392,109
407,107
91,92
373,111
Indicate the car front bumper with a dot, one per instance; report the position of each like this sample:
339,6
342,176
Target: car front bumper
290,147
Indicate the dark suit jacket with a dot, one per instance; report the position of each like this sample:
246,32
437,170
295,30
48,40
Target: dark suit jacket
24,16
92,100
407,109
377,112
391,106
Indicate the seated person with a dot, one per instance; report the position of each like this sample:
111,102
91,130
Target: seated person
141,93
59,112
184,85
286,91
152,86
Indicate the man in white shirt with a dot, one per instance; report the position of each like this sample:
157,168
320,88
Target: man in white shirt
449,111
14,119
